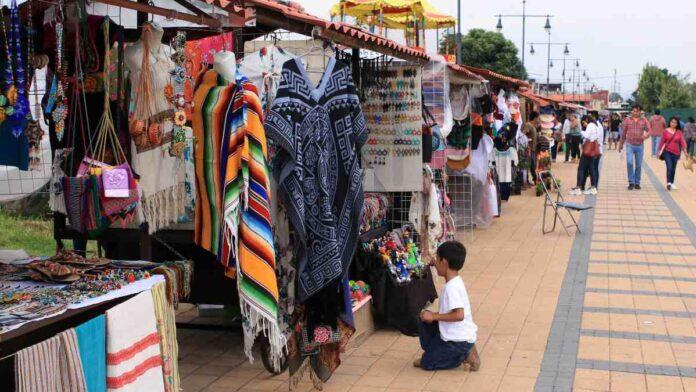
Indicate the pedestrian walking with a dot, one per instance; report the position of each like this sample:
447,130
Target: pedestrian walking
690,136
530,130
590,153
566,134
600,138
557,140
574,136
634,131
657,126
672,145
614,126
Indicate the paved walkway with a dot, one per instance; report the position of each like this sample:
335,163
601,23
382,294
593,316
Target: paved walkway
611,309
627,311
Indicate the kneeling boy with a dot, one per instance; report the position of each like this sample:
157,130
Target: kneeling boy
448,336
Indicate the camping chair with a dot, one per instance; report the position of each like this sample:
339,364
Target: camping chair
558,203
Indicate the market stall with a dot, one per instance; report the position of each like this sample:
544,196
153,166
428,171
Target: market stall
260,159
66,319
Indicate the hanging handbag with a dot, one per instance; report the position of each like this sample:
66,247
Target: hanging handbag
590,149
661,155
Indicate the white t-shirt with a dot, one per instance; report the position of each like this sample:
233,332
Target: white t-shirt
453,297
503,163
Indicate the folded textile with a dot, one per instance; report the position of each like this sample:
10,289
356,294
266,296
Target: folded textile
52,365
91,339
133,355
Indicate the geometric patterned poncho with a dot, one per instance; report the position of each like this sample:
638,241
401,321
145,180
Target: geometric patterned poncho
318,131
233,199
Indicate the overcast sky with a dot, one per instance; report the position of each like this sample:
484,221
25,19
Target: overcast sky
604,34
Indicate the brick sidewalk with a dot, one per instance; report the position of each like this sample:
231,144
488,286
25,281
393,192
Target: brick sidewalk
613,309
634,290
513,275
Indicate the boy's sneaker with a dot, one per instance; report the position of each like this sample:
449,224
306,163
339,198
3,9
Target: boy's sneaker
637,187
575,192
593,191
473,359
674,187
588,191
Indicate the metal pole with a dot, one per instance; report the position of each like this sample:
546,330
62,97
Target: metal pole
563,80
459,31
524,28
548,64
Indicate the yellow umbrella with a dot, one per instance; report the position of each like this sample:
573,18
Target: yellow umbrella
395,14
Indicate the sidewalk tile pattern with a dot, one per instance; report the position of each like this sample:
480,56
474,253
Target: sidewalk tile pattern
634,288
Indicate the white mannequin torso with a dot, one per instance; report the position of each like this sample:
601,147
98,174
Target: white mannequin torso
160,65
225,64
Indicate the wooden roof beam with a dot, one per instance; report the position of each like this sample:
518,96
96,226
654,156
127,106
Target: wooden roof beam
167,13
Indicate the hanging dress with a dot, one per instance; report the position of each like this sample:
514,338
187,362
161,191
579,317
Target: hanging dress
162,176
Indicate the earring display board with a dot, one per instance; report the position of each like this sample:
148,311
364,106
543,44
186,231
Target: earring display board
392,156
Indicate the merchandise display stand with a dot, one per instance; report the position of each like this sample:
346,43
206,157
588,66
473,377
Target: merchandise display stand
257,199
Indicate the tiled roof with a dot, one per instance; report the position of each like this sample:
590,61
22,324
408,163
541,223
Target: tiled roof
293,14
346,33
465,72
496,77
533,97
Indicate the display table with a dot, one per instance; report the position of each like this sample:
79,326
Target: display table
19,336
396,305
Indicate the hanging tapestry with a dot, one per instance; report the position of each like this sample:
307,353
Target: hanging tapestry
133,355
52,365
91,338
318,131
392,156
233,210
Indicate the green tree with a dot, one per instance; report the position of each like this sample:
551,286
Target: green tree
676,92
650,86
487,49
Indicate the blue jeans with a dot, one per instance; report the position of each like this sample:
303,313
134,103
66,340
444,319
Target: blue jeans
634,152
439,354
655,144
671,162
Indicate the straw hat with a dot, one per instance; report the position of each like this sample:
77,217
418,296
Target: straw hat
458,160
547,121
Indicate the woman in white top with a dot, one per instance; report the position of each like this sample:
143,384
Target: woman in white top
587,163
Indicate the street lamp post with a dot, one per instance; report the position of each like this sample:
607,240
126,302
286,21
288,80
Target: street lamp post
524,17
459,31
549,63
566,52
548,57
